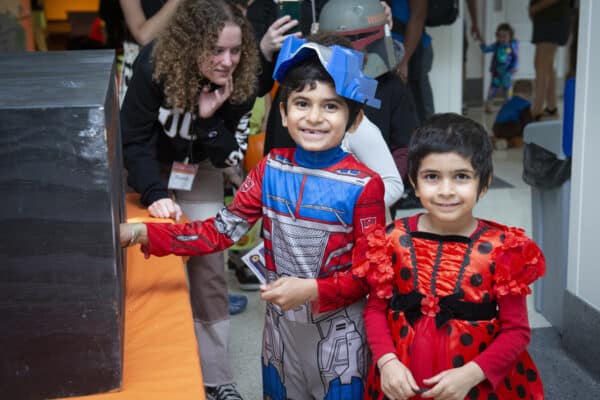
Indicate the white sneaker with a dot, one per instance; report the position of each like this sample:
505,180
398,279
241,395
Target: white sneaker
222,392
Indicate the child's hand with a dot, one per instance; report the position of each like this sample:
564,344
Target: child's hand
289,292
454,384
131,234
125,234
397,382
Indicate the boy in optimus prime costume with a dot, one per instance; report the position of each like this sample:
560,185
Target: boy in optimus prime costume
323,215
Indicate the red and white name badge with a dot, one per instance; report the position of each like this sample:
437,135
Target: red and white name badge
182,176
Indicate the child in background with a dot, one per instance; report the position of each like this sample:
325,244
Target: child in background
450,320
512,118
322,212
504,62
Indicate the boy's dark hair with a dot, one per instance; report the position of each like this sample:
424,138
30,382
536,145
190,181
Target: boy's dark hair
306,74
523,86
446,133
507,28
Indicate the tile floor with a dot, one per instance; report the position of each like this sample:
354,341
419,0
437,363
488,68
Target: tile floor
510,206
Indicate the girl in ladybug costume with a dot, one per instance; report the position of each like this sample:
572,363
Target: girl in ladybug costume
449,319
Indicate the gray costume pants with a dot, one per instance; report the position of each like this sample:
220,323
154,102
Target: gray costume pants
309,356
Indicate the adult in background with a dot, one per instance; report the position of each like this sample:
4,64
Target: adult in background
185,117
551,27
144,20
409,28
397,118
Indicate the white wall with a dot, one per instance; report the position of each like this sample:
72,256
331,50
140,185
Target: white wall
583,276
446,73
475,65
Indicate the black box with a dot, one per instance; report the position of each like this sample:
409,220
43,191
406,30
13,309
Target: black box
62,277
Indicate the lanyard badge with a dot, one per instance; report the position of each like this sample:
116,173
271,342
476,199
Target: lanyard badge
183,173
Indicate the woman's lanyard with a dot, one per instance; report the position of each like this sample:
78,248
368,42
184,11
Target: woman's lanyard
183,173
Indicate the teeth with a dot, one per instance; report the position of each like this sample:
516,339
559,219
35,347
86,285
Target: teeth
312,132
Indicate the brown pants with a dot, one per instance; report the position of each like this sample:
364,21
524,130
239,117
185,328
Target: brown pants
513,129
206,278
508,130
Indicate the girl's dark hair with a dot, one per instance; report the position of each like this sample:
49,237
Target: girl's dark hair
508,28
452,133
305,75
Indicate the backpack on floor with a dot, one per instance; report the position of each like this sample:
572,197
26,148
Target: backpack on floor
441,12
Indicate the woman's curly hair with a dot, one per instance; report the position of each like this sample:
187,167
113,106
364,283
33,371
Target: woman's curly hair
190,36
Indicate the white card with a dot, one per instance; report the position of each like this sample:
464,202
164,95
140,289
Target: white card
255,260
182,176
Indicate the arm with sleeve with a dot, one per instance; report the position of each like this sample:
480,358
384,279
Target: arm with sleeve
216,233
488,48
367,144
344,288
514,61
378,331
139,130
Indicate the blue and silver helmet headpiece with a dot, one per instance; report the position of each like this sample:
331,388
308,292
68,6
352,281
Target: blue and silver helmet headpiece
343,65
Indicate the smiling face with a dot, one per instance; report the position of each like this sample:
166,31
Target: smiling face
448,187
316,118
221,64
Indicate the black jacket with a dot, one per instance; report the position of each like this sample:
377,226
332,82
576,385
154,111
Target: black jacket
153,133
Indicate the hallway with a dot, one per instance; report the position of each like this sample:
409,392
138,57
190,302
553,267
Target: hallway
562,377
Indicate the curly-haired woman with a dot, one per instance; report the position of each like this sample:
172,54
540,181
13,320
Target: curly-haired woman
187,110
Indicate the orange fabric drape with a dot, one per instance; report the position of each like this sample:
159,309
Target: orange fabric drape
160,358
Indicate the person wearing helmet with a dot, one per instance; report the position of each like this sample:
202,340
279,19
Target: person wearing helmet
363,22
366,143
323,222
337,16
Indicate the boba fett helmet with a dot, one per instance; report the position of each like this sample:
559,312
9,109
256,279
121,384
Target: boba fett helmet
364,23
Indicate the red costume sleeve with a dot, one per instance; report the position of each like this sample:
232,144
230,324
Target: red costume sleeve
345,287
519,262
379,335
213,234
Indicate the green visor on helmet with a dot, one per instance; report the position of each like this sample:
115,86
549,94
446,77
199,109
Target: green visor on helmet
342,64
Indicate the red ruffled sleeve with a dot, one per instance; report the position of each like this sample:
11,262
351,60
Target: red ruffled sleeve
519,262
376,266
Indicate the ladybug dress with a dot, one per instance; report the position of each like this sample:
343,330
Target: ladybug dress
443,311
